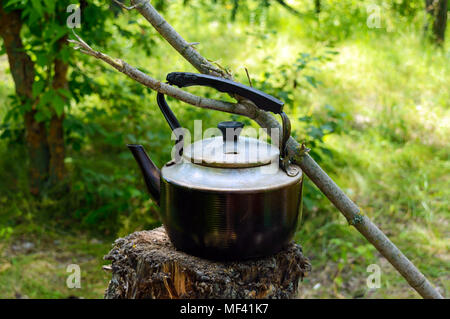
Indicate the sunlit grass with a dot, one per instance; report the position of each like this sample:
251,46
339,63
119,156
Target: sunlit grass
41,271
393,160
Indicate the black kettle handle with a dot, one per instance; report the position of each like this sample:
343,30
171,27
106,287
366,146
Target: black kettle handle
262,100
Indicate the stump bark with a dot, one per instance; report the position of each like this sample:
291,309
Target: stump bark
146,265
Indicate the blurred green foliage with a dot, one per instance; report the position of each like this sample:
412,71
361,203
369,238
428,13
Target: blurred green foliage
371,104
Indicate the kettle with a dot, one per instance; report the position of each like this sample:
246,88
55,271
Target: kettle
227,197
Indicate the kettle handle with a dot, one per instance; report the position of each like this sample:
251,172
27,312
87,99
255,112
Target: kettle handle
262,100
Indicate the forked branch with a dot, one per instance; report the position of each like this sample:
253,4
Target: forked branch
120,4
159,86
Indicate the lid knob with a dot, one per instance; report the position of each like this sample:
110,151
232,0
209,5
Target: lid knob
230,130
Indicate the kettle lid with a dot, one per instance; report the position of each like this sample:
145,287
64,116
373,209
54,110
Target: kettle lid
230,150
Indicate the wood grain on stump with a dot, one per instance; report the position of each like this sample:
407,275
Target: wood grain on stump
146,265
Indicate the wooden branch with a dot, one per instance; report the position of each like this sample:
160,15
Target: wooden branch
161,87
120,4
298,153
368,229
175,40
289,8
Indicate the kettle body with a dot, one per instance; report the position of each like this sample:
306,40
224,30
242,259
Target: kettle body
223,222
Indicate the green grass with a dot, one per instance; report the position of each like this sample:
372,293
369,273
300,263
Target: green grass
40,271
393,161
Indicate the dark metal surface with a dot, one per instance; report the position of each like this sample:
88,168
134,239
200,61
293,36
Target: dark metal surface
219,179
262,100
149,170
167,112
230,225
230,130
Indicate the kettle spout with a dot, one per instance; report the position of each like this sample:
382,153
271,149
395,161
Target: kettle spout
149,170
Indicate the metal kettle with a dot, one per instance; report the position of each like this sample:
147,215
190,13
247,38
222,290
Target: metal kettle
227,197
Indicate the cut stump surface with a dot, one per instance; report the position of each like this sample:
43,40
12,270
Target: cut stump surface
146,265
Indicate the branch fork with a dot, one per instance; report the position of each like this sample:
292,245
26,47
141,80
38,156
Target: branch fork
83,47
120,4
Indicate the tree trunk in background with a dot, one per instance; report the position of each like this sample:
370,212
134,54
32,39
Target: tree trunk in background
56,132
437,9
440,24
38,153
22,70
57,170
317,6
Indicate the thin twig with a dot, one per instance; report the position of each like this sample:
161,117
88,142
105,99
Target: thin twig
86,49
159,86
175,40
120,4
248,77
289,8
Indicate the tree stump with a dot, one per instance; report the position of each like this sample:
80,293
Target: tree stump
146,265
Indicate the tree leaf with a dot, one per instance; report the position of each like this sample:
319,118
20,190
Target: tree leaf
45,99
42,115
58,104
11,3
37,5
311,80
38,87
42,58
64,92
